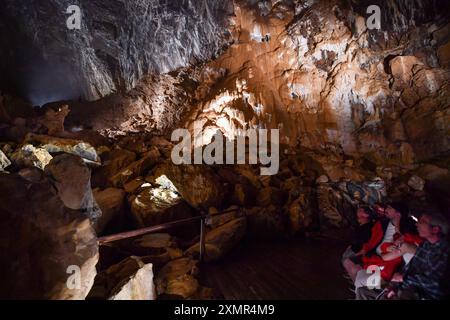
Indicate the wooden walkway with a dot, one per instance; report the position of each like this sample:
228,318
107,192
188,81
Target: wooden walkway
294,269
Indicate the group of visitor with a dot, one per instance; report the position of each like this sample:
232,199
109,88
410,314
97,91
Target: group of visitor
394,255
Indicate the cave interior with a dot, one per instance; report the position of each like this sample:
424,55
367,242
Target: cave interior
212,149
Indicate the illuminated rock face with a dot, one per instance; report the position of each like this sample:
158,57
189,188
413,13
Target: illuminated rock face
309,68
118,43
314,70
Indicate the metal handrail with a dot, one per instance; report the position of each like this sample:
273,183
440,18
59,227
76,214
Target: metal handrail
139,232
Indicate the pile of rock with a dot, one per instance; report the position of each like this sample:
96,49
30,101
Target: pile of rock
48,250
49,246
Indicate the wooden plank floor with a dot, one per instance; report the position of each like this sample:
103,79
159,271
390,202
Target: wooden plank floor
289,269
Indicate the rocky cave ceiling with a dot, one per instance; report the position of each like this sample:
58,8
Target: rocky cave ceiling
118,43
309,68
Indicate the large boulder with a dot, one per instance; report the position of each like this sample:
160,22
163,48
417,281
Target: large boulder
113,161
198,185
155,206
135,169
4,161
292,187
111,202
47,251
221,240
217,219
82,149
29,156
131,279
72,178
155,240
177,279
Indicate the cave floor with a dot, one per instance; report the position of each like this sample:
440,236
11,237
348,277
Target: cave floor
296,269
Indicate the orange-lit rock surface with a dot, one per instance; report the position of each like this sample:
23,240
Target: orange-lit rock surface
312,70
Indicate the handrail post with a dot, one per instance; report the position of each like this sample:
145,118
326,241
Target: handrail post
202,237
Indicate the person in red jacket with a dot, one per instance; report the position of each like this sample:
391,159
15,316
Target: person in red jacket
426,275
386,235
354,263
365,216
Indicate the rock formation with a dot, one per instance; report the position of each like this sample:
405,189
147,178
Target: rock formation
97,59
72,179
131,279
4,161
48,251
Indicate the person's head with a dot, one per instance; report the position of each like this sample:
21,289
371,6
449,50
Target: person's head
364,215
432,226
380,209
395,211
